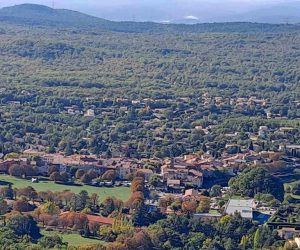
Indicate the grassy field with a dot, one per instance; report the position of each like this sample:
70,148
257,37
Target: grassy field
73,239
122,193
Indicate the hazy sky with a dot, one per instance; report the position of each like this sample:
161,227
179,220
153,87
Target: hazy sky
157,10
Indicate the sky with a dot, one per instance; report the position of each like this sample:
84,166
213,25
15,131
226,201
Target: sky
157,10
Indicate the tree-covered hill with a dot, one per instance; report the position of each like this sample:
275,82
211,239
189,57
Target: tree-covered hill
47,66
39,15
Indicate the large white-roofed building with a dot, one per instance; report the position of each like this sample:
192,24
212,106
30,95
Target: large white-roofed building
244,207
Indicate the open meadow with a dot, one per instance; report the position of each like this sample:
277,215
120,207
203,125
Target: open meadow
122,193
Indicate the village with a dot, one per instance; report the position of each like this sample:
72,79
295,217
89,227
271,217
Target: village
170,182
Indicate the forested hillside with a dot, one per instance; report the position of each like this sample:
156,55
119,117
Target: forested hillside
126,71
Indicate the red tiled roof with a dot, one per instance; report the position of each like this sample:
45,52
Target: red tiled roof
100,219
94,218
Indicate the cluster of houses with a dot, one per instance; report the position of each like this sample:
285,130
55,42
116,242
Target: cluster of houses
123,104
177,174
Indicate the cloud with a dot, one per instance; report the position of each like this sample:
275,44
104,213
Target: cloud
191,18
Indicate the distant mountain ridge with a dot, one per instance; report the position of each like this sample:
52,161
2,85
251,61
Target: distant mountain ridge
282,13
39,15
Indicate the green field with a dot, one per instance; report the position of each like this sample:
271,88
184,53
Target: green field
73,239
122,193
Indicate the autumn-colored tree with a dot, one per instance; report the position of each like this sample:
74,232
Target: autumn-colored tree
64,177
138,184
75,220
55,176
22,206
140,174
204,205
45,218
135,199
49,208
79,173
94,199
166,201
140,240
189,207
93,174
27,192
65,197
111,204
16,170
109,175
46,196
116,246
53,169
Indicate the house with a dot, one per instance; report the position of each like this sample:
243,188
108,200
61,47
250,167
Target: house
291,150
191,194
173,183
262,131
288,232
244,207
286,130
89,113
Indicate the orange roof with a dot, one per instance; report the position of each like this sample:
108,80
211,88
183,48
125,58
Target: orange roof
100,219
94,218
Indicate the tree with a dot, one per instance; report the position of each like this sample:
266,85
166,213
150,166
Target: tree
55,176
154,180
7,192
109,175
257,180
139,216
215,191
84,197
107,234
16,170
94,200
263,237
204,205
195,241
50,241
110,204
29,170
79,173
3,207
53,169
22,206
68,150
64,177
86,178
23,225
189,207
49,208
140,240
138,184
75,220
27,192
